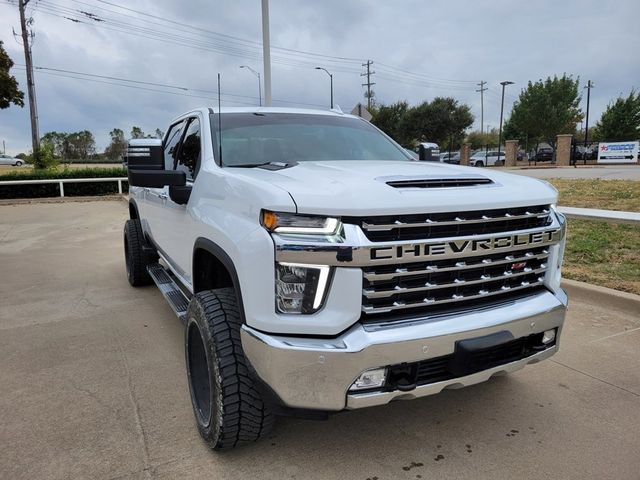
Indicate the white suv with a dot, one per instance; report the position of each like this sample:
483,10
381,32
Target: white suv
483,158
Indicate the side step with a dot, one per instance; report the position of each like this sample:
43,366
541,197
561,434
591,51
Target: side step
170,290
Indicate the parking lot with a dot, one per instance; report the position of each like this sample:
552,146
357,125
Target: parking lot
92,384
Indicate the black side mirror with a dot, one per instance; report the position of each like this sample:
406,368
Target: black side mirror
157,178
180,194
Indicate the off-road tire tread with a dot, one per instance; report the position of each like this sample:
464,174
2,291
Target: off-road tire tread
139,261
246,418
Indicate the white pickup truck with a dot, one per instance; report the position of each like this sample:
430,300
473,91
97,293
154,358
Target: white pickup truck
318,267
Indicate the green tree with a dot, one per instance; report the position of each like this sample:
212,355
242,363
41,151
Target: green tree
9,91
388,118
545,109
159,133
621,120
58,142
479,139
82,145
443,121
118,145
136,132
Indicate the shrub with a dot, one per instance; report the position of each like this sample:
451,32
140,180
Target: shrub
70,189
44,158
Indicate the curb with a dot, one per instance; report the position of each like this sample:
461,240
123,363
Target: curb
97,198
602,296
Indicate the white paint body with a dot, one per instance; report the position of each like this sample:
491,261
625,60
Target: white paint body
225,206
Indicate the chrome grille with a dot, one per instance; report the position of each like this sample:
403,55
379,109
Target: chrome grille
452,284
455,224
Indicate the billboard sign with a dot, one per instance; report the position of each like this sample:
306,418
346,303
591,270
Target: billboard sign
618,152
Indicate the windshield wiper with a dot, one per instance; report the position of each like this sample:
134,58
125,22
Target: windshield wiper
266,165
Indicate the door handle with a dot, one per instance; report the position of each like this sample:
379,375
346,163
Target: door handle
163,196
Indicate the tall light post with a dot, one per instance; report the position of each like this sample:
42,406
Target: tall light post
504,84
266,53
331,78
257,74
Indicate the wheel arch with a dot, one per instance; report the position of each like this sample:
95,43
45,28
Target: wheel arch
133,210
213,268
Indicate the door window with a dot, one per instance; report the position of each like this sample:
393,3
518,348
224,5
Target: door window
188,159
170,146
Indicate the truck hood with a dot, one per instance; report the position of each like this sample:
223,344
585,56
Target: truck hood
353,188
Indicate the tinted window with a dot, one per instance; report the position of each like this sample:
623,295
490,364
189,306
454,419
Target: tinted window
173,137
281,137
189,156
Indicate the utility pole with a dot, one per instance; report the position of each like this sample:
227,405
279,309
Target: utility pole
27,38
369,84
504,84
586,131
266,53
482,90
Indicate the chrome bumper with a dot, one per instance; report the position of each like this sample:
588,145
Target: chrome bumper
316,373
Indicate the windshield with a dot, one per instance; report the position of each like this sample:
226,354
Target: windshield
255,138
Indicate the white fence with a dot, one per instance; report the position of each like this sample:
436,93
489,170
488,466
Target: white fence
62,181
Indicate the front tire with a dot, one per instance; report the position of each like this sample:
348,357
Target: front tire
135,256
18,164
228,407
479,163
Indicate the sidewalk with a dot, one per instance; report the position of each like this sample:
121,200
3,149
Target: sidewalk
632,218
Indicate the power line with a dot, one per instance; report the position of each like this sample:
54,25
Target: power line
133,84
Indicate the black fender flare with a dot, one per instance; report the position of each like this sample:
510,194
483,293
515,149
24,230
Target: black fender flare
133,210
214,249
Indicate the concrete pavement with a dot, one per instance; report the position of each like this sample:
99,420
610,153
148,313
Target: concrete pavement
92,385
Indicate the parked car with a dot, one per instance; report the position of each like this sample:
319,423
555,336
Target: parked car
450,157
483,158
7,160
544,154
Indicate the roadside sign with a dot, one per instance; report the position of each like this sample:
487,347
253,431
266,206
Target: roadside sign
618,152
361,111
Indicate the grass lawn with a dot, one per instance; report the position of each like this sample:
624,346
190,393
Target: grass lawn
596,193
603,254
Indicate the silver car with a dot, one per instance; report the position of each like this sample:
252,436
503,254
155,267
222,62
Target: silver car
7,160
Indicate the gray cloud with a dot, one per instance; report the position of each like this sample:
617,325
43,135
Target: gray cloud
442,40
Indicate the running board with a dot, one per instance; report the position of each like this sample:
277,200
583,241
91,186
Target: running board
170,290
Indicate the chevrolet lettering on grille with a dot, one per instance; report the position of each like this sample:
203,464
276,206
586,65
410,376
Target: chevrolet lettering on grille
453,248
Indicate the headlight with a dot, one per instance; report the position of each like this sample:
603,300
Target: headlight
291,223
300,288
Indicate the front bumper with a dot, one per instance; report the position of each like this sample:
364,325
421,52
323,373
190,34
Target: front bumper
316,373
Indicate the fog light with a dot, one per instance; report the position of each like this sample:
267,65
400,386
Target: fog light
373,378
549,336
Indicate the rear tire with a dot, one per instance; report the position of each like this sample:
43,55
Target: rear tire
18,164
135,256
228,407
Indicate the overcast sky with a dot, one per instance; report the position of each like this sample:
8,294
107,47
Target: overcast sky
420,49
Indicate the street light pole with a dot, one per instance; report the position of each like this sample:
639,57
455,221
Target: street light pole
257,74
266,53
331,79
504,84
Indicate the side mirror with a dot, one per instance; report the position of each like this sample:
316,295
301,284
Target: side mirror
157,178
180,194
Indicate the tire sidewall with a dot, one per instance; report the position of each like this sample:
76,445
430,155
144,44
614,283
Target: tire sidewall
196,318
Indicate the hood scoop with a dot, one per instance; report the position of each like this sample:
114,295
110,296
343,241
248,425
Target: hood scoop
438,182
